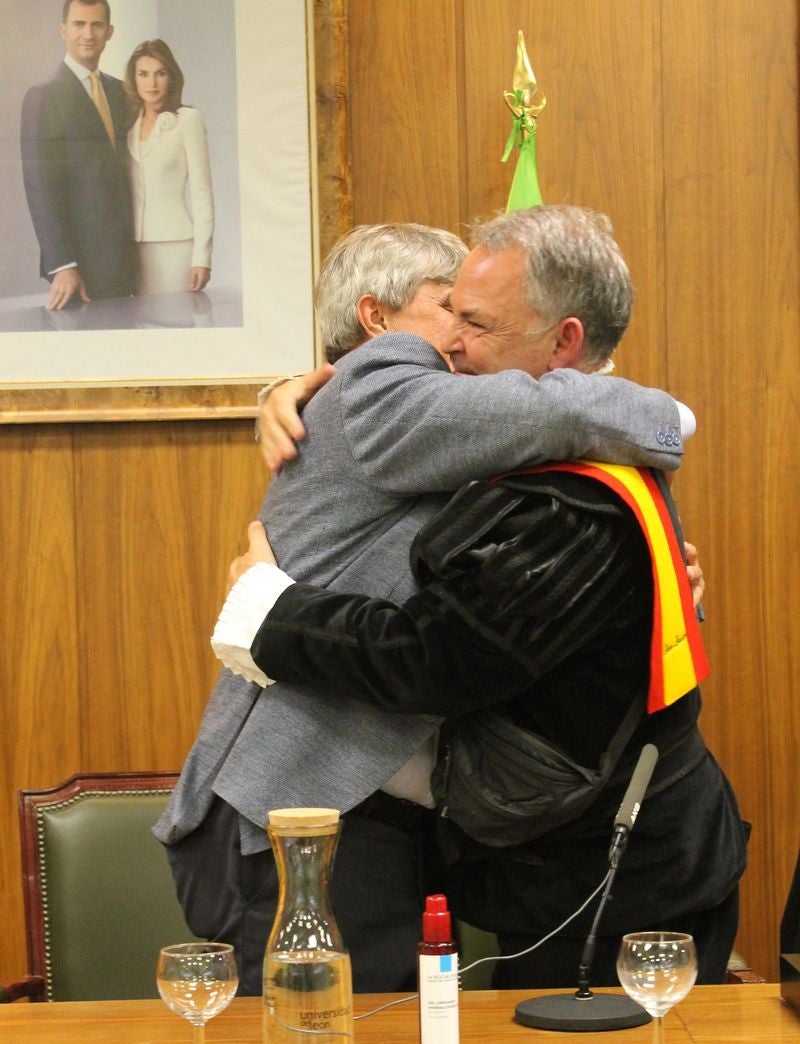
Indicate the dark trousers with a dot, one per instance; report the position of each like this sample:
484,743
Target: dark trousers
378,887
556,962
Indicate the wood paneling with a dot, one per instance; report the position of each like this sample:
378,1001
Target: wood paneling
334,174
732,250
116,539
404,111
149,501
39,657
145,402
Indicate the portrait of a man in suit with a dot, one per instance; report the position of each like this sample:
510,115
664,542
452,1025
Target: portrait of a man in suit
69,260
73,157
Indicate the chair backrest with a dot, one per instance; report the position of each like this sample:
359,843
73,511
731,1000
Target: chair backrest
475,945
99,897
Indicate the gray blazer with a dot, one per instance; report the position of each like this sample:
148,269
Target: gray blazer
389,439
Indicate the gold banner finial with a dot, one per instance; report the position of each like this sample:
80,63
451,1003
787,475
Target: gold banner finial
526,103
525,99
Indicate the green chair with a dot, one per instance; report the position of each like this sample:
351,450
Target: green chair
474,944
99,897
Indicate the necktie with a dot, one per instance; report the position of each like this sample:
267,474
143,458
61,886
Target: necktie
101,104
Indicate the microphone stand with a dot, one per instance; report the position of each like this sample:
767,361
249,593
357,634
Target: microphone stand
583,991
584,1011
619,843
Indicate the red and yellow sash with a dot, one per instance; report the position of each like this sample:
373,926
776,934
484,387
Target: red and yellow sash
677,657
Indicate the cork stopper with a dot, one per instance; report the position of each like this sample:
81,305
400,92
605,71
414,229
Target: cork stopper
303,820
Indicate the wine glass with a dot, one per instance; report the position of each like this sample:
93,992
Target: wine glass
657,969
197,980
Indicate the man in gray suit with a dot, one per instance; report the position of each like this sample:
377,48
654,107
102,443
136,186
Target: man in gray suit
387,440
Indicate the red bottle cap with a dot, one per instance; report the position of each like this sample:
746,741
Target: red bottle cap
436,920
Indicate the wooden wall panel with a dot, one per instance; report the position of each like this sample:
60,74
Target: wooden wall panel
39,661
157,505
334,169
732,260
38,612
404,111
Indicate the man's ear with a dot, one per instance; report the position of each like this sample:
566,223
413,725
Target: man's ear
371,315
569,344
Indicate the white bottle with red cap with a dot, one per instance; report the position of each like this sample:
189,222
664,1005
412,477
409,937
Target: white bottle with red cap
437,966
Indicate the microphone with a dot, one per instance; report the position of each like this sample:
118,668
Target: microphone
583,1010
631,803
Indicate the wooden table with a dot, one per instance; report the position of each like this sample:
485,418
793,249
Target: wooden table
747,1014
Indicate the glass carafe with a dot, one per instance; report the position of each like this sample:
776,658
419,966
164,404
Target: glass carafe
308,988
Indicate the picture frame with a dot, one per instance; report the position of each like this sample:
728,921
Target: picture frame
286,100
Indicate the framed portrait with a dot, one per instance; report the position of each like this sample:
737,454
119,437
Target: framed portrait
247,67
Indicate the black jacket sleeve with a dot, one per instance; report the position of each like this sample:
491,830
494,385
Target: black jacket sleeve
537,589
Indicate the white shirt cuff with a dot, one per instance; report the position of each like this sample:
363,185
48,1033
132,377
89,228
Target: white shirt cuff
248,603
687,419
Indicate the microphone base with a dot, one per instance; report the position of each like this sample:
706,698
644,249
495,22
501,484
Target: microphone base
570,1014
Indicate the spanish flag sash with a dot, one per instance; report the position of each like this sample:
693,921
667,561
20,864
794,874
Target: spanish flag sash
677,657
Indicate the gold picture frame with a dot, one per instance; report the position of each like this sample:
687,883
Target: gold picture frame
330,208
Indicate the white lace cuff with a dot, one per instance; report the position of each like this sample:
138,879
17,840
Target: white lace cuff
248,603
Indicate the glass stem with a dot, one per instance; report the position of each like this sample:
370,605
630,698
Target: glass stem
199,1034
658,1029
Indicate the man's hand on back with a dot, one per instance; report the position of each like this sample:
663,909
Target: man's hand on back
259,551
279,425
697,582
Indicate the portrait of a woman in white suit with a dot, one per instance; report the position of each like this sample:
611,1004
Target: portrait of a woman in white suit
167,153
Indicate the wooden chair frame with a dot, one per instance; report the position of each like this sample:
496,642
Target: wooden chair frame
32,803
32,987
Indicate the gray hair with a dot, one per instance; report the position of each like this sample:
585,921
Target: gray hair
388,261
574,268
